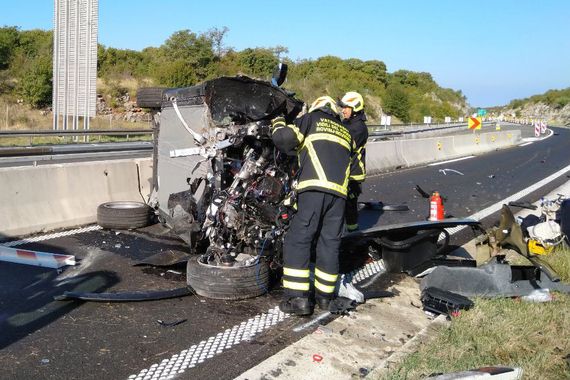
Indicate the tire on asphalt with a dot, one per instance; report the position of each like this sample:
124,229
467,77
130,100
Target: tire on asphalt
228,283
150,97
123,215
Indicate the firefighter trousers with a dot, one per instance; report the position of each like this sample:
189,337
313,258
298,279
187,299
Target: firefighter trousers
318,223
351,213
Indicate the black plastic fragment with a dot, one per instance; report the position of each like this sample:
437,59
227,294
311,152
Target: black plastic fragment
441,301
342,305
152,295
170,324
527,205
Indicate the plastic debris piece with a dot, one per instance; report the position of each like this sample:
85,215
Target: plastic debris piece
444,171
317,358
126,296
342,305
538,295
346,289
171,324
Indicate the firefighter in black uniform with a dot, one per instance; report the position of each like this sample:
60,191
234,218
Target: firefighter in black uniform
354,119
324,147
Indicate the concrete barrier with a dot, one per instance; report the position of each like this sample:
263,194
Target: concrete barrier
382,156
48,197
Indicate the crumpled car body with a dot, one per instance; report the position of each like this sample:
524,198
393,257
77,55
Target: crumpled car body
220,182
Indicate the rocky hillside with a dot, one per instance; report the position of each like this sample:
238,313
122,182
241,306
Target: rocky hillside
552,106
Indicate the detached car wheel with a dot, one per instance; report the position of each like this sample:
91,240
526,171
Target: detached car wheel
123,215
228,283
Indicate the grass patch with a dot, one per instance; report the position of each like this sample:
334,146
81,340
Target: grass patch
511,332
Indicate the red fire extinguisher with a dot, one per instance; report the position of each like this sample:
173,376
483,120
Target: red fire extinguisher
436,210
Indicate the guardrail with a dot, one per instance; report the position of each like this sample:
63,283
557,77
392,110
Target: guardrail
75,133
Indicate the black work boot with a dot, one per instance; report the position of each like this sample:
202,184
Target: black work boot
297,306
323,303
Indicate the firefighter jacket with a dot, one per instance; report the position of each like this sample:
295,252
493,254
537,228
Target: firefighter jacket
359,133
324,148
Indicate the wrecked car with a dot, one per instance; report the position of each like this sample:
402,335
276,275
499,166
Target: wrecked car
220,183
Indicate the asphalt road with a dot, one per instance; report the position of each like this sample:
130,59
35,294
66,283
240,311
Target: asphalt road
45,339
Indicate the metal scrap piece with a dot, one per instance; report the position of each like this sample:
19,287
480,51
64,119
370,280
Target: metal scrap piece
152,295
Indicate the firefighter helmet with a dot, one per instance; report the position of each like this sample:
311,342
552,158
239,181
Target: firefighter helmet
353,100
322,102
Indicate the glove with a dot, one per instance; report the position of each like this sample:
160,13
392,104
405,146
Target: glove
278,122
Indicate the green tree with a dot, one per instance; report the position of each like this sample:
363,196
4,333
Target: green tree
185,58
397,103
258,62
9,36
35,86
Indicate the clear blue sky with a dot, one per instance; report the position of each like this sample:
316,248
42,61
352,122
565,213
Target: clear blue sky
494,51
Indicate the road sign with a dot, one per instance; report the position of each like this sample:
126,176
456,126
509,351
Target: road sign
427,119
448,119
385,120
474,123
481,112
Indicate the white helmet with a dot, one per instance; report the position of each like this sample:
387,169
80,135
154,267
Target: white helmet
322,102
353,100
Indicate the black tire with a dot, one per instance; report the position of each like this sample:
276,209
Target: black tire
150,97
227,283
123,215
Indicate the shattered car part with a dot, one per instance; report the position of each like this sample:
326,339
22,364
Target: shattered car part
493,279
405,250
152,295
348,290
509,235
165,259
546,233
170,324
527,205
440,301
342,305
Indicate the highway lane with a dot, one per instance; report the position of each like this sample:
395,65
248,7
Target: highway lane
51,340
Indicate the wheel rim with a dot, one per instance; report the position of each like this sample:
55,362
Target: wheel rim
235,267
125,205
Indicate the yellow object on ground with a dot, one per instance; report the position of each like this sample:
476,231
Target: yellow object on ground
535,248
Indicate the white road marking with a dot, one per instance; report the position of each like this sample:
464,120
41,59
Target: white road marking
214,345
448,161
526,143
35,239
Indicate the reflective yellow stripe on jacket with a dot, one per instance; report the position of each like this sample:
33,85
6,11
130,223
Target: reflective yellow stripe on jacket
323,181
358,158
